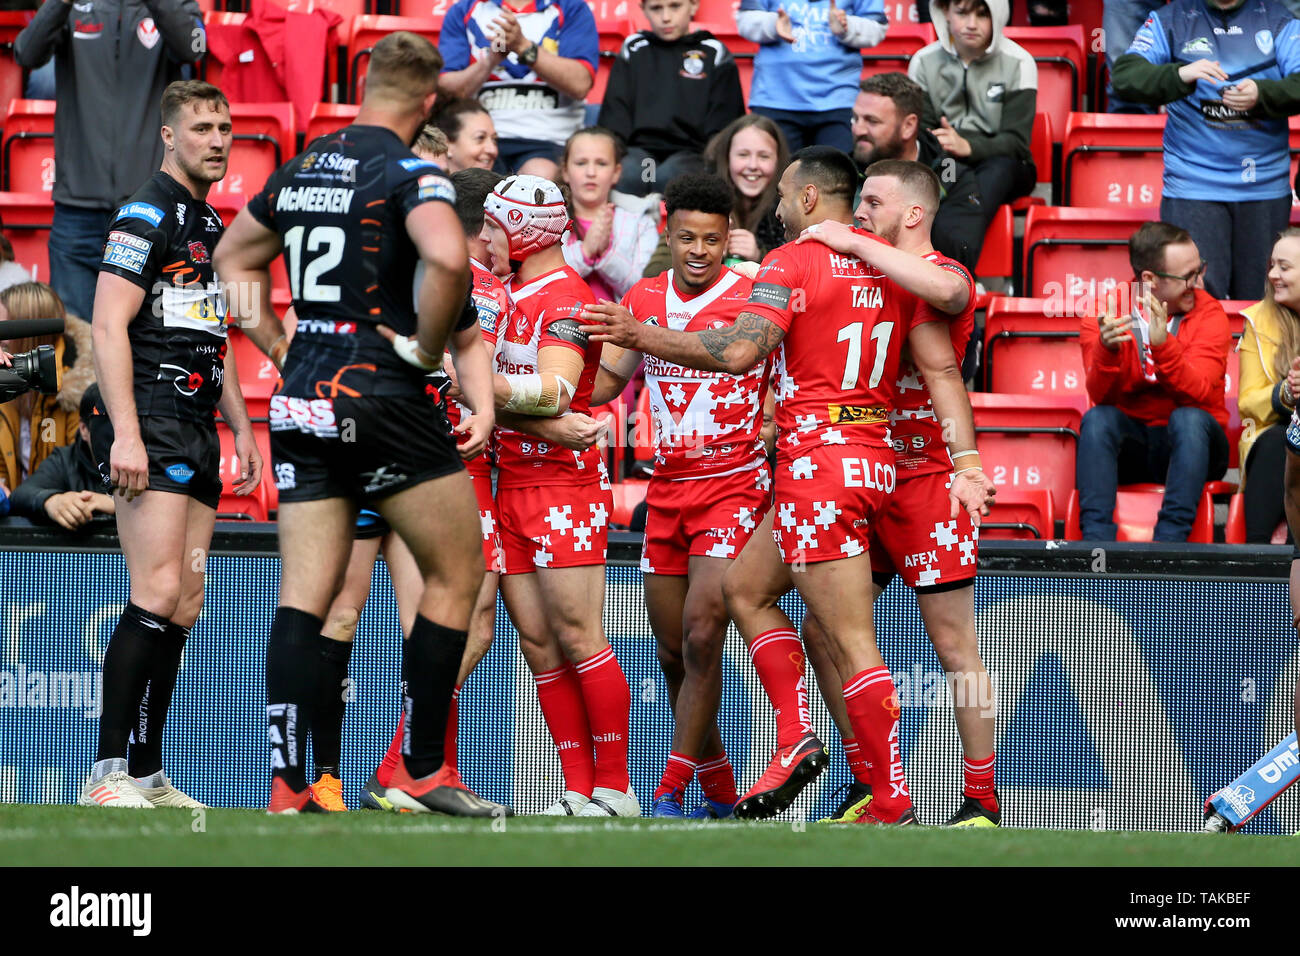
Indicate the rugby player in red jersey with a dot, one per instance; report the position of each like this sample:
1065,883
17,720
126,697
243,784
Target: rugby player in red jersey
916,536
840,325
553,503
575,431
711,484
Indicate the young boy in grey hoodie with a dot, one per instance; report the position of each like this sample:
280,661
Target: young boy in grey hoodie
981,95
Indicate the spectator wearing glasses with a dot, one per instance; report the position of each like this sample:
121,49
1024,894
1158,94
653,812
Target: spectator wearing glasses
1155,360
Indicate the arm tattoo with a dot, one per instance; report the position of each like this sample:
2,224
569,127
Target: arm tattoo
762,333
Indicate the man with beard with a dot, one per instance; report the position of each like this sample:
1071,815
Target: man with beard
887,125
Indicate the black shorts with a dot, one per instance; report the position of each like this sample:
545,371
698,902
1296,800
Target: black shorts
184,456
364,449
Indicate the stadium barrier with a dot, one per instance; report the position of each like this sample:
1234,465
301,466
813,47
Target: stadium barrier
1133,681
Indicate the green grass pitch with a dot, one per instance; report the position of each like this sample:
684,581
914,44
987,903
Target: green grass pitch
87,836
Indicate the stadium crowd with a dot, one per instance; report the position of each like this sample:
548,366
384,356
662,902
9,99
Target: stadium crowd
623,321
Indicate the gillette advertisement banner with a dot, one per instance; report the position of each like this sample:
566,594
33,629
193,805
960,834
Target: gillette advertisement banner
1122,703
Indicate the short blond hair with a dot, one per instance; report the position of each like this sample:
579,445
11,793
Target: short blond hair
403,66
431,143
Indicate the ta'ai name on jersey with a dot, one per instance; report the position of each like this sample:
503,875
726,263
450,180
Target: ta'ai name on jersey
515,98
313,199
657,366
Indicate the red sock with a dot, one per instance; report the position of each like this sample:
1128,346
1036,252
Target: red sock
609,707
980,781
386,766
858,765
778,658
677,774
560,694
453,728
873,712
718,780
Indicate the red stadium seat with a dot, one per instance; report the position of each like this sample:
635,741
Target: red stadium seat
998,254
643,433
327,117
1020,513
258,376
1028,442
264,140
892,53
613,23
232,507
1110,158
1040,147
627,495
1136,510
1071,253
1235,531
1031,347
12,23
28,150
433,10
264,495
1062,67
613,26
369,30
27,218
901,12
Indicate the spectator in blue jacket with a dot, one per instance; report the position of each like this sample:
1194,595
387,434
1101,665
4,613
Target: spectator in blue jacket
809,63
1228,75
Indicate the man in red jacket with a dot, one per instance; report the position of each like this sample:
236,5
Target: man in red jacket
1156,376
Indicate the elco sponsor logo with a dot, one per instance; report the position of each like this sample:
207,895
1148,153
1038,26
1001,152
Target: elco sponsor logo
864,473
75,909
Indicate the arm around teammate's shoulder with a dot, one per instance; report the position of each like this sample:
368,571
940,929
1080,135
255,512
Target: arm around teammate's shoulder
736,348
946,290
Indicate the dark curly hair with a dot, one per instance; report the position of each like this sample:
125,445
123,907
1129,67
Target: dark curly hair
700,192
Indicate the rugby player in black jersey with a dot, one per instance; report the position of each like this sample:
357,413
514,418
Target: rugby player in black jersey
161,360
352,423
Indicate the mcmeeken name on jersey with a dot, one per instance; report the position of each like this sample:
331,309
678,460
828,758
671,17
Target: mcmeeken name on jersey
313,199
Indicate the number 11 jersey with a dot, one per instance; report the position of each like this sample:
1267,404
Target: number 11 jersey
845,324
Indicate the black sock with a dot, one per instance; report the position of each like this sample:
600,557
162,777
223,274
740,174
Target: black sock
331,698
432,659
292,661
127,666
146,742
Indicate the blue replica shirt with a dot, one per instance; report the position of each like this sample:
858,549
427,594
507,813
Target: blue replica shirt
522,104
818,71
1208,147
